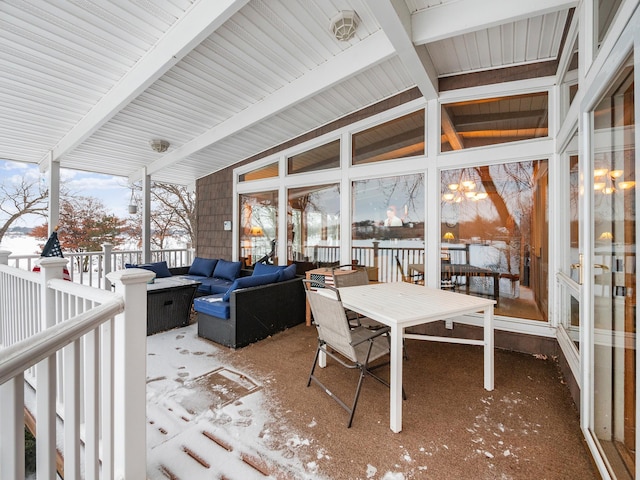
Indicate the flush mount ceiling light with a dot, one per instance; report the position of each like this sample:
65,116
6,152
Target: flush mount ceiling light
344,25
159,146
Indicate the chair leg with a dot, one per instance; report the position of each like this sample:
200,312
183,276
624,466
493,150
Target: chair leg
357,395
313,367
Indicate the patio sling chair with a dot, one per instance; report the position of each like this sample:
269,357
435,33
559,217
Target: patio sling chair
359,276
353,348
417,278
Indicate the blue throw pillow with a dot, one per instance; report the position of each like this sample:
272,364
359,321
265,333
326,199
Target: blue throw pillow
251,281
203,267
288,273
159,268
227,270
263,269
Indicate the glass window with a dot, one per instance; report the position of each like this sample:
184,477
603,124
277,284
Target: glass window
490,121
388,223
614,274
605,13
258,226
313,220
268,171
574,216
399,138
320,158
494,235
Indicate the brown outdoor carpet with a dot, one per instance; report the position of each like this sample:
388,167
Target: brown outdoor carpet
452,428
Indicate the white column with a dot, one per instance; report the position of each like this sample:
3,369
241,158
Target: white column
130,371
146,216
107,248
12,428
50,268
53,178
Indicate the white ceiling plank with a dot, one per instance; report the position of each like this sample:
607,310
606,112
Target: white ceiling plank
395,20
189,31
456,18
361,56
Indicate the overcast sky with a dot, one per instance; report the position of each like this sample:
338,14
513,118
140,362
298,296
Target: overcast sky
112,191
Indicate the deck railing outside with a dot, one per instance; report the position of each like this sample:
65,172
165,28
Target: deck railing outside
69,353
90,268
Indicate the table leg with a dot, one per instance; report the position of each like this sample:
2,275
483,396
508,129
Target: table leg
488,348
395,414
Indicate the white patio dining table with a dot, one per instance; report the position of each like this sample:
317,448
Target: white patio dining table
401,305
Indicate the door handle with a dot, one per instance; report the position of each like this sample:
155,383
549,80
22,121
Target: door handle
599,265
578,266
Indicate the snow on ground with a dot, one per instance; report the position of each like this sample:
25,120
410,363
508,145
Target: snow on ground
21,244
206,420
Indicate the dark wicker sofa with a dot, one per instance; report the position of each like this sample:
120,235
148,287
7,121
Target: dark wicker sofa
254,313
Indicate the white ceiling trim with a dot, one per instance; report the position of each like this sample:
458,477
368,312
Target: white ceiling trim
457,18
395,19
362,56
189,31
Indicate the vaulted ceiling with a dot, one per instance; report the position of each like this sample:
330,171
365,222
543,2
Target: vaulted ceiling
89,84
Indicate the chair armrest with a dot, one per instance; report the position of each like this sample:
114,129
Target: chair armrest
373,334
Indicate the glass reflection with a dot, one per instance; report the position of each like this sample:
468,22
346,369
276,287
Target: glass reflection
388,224
258,225
313,224
494,235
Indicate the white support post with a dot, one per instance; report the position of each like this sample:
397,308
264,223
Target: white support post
130,370
54,193
146,217
50,268
107,249
12,428
4,260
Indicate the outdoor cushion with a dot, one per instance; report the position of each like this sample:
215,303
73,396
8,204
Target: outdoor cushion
288,273
159,268
251,281
203,266
212,305
265,268
227,270
214,284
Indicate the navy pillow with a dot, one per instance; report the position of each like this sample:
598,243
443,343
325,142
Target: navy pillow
288,273
227,270
203,266
263,269
251,281
159,268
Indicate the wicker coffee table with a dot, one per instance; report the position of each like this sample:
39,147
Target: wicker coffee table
169,303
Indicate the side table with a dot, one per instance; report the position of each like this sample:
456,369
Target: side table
169,303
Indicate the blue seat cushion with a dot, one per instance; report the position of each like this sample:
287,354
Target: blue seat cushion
227,270
203,266
251,281
159,268
215,284
212,305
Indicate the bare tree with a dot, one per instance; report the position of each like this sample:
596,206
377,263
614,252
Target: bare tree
23,197
173,211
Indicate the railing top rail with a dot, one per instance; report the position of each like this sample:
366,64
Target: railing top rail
20,273
83,291
22,355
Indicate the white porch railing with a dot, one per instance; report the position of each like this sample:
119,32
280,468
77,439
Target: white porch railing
91,268
79,349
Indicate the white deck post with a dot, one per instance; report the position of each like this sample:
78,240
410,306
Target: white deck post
130,371
4,260
107,249
50,268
